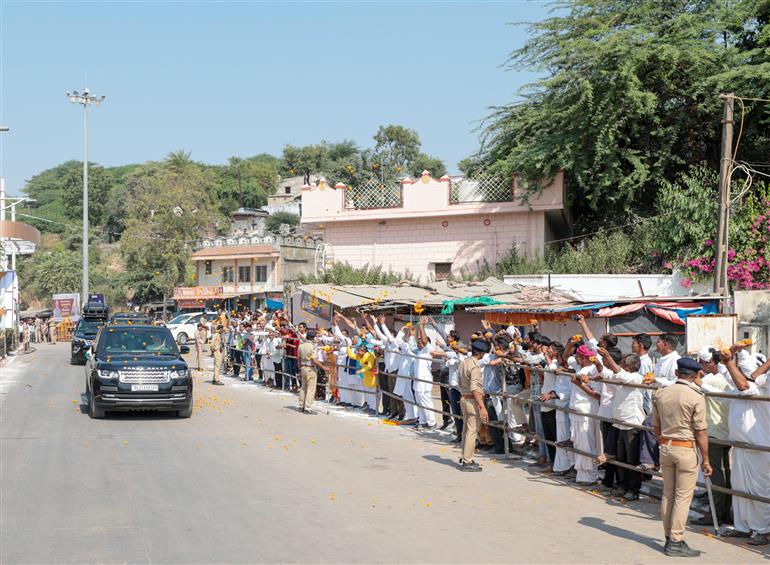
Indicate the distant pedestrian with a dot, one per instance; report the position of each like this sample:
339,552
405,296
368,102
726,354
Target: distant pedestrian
200,339
52,330
679,421
26,333
308,365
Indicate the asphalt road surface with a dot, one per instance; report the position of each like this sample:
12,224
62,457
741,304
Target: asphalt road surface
248,479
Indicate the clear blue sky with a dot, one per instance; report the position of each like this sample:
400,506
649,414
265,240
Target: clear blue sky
223,79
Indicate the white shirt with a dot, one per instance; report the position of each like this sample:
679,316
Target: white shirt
276,350
608,391
489,375
664,370
549,384
453,360
580,400
404,367
422,368
749,421
391,349
646,365
563,390
717,409
628,401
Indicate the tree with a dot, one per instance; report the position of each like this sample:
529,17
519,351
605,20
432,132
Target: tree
170,208
395,146
629,98
274,221
51,272
423,162
305,160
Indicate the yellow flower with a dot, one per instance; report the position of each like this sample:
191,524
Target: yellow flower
419,308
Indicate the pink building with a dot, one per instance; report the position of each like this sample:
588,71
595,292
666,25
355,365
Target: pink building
432,227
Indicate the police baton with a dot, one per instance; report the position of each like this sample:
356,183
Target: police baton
711,506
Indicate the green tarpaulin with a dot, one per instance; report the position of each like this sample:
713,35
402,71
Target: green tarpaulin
449,305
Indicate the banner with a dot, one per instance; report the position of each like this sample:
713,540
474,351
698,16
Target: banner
66,306
198,293
316,306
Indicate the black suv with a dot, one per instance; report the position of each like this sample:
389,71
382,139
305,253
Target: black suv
82,338
133,317
138,367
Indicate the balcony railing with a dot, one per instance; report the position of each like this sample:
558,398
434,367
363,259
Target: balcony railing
374,194
481,187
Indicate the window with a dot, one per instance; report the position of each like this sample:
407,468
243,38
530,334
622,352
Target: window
287,190
244,274
227,274
443,271
207,267
260,273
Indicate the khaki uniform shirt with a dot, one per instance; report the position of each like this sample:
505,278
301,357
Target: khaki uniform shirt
306,352
469,376
216,344
679,410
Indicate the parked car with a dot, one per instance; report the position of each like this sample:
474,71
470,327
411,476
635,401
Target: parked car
184,325
137,367
94,317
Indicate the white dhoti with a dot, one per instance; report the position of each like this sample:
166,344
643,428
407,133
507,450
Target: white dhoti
268,369
585,437
564,459
343,384
750,472
423,394
357,392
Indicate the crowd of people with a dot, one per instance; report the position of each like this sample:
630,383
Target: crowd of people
591,413
36,330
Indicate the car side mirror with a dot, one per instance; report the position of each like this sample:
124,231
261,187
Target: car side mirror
87,352
184,349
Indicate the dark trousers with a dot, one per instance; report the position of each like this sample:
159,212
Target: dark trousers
290,370
454,403
649,450
549,432
610,446
441,377
628,452
258,357
396,404
278,374
383,382
235,357
495,433
719,457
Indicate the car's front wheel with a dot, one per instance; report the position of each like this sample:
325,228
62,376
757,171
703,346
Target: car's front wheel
181,339
93,410
185,412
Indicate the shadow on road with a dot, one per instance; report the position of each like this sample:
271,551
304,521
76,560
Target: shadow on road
441,460
600,524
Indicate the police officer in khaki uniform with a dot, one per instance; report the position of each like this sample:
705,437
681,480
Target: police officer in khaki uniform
472,402
216,350
52,330
679,421
308,361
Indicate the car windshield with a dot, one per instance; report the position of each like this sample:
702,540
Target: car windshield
138,340
89,327
181,319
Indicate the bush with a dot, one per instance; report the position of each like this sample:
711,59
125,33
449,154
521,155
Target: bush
345,273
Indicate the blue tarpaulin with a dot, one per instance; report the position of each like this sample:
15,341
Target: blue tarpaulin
273,304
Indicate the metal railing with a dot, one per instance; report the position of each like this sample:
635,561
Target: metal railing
374,194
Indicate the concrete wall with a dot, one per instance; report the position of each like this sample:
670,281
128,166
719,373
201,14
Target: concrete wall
601,287
414,243
215,278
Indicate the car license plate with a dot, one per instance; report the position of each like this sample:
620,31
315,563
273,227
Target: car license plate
146,388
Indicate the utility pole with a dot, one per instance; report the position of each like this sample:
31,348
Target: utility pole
721,286
86,99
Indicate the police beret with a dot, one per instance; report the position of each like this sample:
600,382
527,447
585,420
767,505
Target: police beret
480,346
687,365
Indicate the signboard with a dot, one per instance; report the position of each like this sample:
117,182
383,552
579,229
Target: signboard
191,304
711,330
198,293
98,298
66,306
316,306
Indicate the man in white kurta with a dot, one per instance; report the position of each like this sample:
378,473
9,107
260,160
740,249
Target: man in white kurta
585,430
749,422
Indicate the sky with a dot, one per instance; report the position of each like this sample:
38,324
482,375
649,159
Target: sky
240,78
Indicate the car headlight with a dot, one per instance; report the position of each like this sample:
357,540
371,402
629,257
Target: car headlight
181,374
107,374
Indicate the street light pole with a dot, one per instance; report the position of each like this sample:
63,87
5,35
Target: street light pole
86,99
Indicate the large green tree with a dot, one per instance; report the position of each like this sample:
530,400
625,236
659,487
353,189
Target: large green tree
629,97
170,207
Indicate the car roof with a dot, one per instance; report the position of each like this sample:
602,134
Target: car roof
127,325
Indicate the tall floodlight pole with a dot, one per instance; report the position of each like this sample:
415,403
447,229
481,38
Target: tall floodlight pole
86,99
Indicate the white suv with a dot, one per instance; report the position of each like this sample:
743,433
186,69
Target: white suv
184,325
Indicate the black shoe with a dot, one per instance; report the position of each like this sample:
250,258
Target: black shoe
445,425
631,496
680,549
457,440
471,467
759,539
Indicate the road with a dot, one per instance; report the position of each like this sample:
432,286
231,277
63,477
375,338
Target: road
248,479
